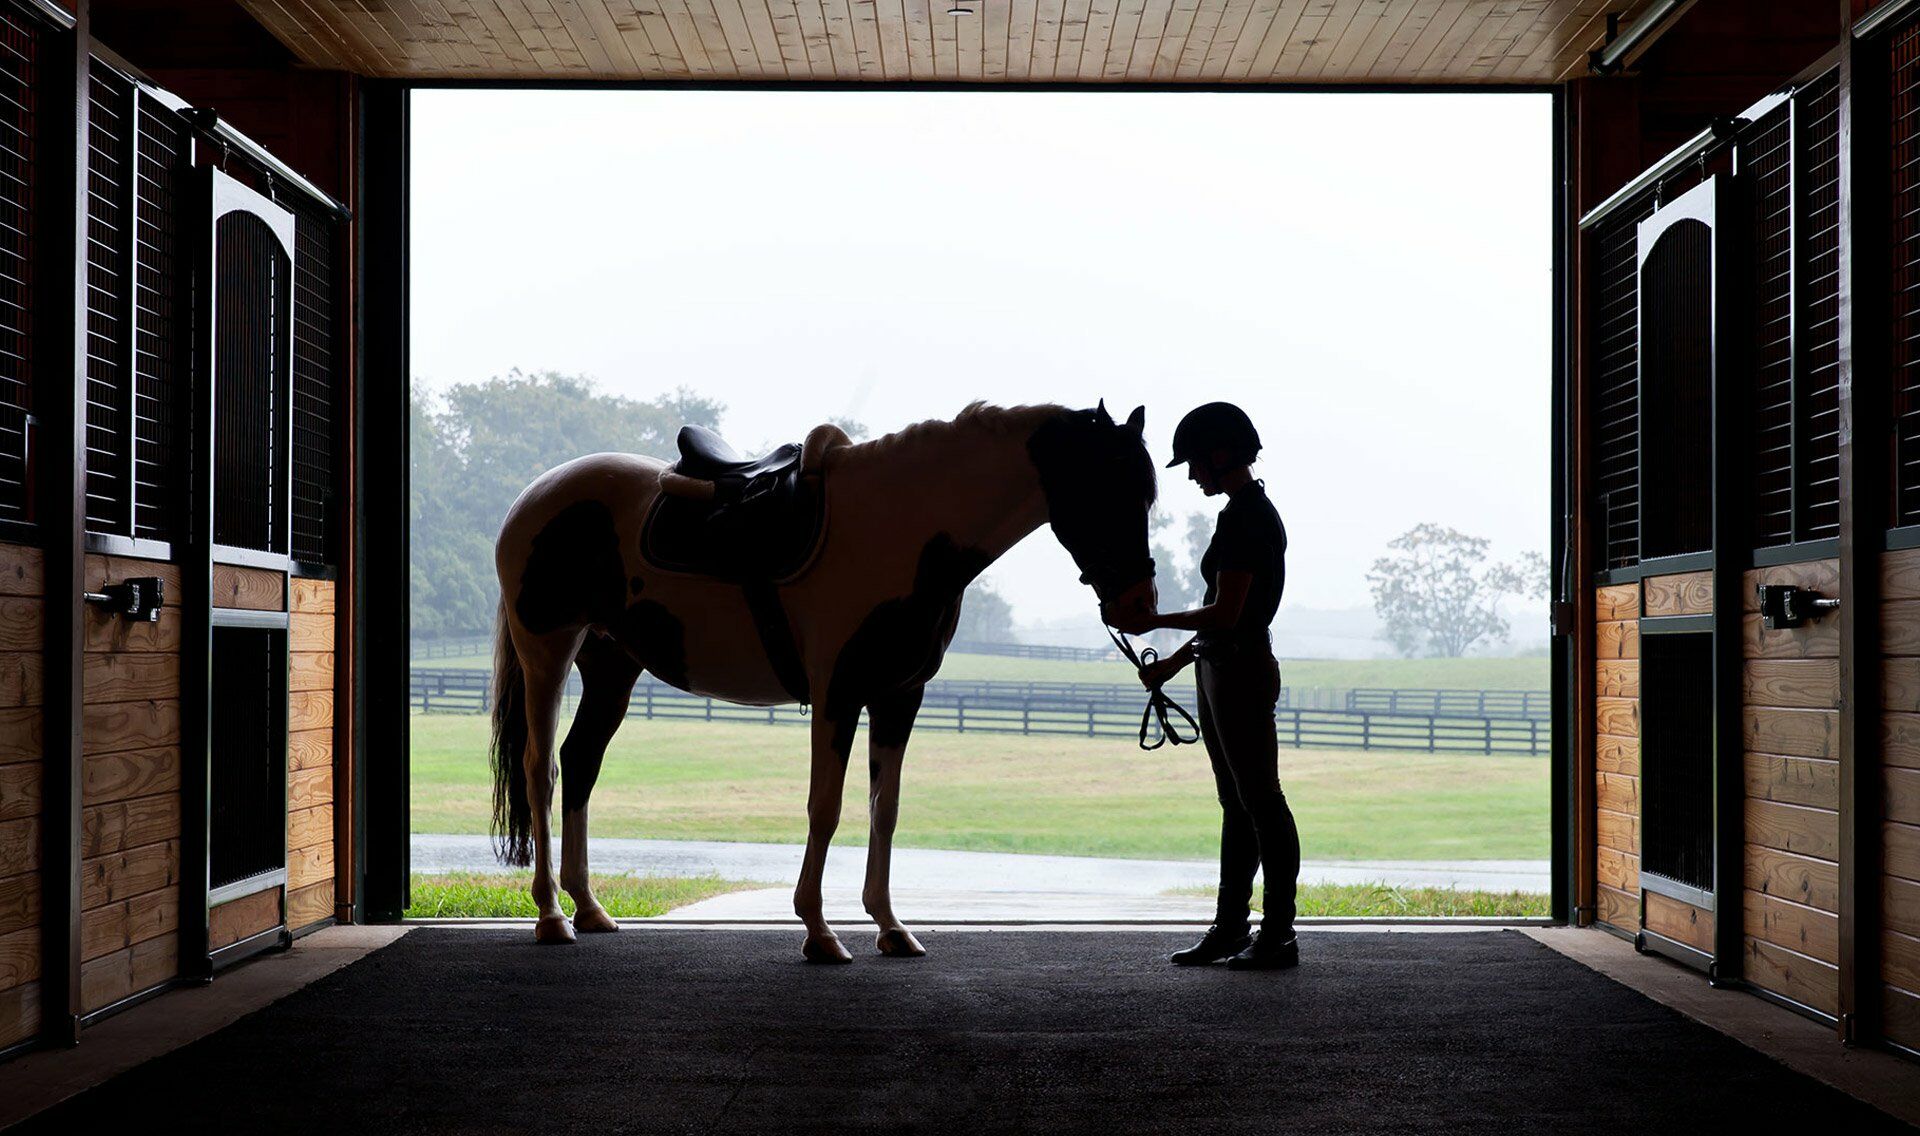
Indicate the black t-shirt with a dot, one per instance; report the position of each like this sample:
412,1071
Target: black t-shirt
1248,538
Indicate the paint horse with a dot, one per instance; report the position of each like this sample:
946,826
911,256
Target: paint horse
829,574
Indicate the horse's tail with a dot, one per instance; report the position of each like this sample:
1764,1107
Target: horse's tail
512,814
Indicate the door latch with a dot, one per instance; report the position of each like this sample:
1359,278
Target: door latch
1789,605
137,599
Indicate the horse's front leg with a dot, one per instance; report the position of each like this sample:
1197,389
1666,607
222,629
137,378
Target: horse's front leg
889,722
832,741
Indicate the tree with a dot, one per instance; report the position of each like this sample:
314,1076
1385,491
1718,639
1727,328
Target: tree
985,615
475,446
1438,596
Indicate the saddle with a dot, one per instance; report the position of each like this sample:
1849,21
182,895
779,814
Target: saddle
746,520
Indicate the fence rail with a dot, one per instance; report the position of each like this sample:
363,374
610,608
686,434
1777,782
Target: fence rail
455,648
1087,710
1033,651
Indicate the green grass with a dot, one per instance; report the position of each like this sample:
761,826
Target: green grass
461,895
1069,796
1344,674
1350,901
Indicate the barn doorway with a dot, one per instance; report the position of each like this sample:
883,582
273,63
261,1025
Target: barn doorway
764,262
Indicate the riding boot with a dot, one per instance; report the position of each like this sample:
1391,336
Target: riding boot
1272,949
1218,943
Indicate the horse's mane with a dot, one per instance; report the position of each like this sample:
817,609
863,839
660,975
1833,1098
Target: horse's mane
977,417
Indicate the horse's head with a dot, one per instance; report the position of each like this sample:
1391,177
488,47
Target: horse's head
1099,483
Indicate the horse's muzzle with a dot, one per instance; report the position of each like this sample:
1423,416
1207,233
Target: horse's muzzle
1137,599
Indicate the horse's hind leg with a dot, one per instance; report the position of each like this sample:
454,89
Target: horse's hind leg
889,722
607,675
545,661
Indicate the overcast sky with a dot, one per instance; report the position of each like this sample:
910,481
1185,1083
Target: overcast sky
1369,275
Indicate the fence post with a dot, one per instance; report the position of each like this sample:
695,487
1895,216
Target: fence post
960,714
1026,715
1433,728
1366,730
649,701
1089,719
709,709
1486,725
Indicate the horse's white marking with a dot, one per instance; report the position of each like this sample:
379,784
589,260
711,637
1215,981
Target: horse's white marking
970,480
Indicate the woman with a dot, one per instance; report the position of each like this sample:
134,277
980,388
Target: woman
1239,683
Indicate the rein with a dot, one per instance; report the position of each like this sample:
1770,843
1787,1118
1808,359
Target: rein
1158,701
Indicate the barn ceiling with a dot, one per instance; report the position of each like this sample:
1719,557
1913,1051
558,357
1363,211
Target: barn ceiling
1254,41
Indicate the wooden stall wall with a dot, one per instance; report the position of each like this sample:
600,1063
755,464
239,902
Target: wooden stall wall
1685,593
1900,798
130,792
310,765
21,768
1790,728
1617,756
249,589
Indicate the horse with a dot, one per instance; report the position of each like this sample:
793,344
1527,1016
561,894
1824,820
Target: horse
858,615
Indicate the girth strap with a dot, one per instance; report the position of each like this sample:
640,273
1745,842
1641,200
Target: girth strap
776,636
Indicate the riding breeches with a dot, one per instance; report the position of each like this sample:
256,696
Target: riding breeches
1237,699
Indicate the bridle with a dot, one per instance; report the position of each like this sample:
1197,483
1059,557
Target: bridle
1159,703
1160,707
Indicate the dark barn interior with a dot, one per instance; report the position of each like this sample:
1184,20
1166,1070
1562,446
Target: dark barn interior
203,745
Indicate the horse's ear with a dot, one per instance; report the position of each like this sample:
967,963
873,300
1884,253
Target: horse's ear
1137,421
1100,414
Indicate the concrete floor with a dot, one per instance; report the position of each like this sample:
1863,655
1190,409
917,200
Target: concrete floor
38,1081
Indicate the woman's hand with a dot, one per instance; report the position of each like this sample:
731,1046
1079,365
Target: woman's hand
1159,671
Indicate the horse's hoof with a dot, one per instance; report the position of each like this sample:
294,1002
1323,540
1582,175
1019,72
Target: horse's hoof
827,950
899,943
553,929
594,922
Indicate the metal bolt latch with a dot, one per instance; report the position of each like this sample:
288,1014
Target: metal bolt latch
137,599
1789,605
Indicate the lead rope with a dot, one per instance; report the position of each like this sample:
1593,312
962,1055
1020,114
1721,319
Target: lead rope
1158,702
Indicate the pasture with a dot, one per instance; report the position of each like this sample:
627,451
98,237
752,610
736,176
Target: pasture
1530,673
1059,795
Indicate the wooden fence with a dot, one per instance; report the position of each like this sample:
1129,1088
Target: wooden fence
1087,710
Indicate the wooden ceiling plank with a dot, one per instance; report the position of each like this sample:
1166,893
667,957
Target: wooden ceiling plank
638,42
1138,64
864,24
917,24
1020,20
1340,39
1443,38
1093,48
1572,58
793,40
1361,66
1236,16
1455,53
1518,60
758,15
470,57
1394,54
967,40
311,40
486,23
1503,39
1193,53
1125,39
610,41
545,58
813,33
1306,35
1173,40
596,57
1048,15
1253,32
1279,32
890,25
567,54
704,15
674,61
382,38
995,19
738,39
706,57
1073,38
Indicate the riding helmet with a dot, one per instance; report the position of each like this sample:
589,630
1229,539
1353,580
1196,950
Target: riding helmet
1215,426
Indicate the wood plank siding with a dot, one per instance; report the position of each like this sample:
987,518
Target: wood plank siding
1899,769
130,792
1617,757
22,766
1789,730
1180,41
310,788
